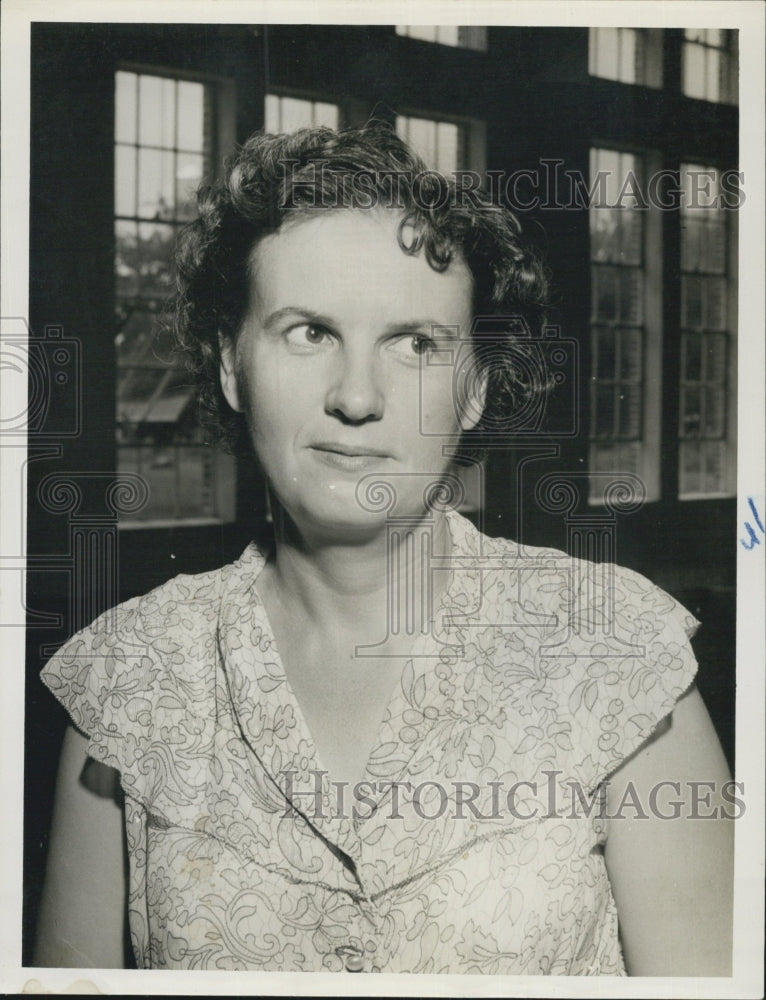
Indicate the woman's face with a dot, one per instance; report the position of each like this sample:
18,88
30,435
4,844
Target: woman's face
344,364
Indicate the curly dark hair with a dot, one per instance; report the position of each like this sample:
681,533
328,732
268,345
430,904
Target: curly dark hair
274,177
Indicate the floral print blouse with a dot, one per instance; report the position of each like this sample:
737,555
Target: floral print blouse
475,843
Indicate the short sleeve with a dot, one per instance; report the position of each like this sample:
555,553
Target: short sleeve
104,676
629,661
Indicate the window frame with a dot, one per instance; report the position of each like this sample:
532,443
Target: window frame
223,126
651,40
475,133
480,43
651,417
729,56
301,95
731,335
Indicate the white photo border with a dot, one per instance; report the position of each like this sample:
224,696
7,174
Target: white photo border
748,17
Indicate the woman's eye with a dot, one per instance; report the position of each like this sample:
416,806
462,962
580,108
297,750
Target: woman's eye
422,345
414,345
307,335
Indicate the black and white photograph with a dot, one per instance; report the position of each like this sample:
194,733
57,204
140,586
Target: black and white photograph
383,498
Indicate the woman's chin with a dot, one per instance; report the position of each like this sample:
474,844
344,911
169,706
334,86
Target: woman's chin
336,518
350,510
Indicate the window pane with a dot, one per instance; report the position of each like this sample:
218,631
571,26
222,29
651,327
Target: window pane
629,402
189,169
125,180
713,70
605,411
714,260
191,116
156,116
630,55
446,140
156,188
692,233
425,32
294,114
716,303
285,114
715,359
126,259
709,66
694,71
196,478
691,468
325,114
605,234
691,370
691,411
691,301
271,114
421,134
631,295
604,293
729,79
632,233
715,412
125,107
153,258
135,390
627,55
630,355
447,34
473,37
135,340
604,346
715,466
609,163
608,52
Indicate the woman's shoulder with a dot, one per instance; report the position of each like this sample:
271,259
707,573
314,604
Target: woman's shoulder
593,648
580,589
169,629
182,606
146,662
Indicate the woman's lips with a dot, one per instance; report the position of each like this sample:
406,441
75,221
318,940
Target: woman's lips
349,458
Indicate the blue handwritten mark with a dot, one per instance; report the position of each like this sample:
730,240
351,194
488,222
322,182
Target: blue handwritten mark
753,539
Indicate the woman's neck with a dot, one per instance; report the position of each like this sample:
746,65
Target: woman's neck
353,588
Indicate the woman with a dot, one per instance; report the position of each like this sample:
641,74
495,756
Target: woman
388,743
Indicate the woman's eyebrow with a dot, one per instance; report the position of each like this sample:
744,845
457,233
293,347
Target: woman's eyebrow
302,311
433,326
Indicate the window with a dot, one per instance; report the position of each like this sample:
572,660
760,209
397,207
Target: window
446,146
629,55
709,65
625,317
164,147
446,34
285,114
708,321
441,144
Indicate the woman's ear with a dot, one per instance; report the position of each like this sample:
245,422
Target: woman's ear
228,372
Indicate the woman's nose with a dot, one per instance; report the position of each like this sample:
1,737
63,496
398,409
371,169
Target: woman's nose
354,394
